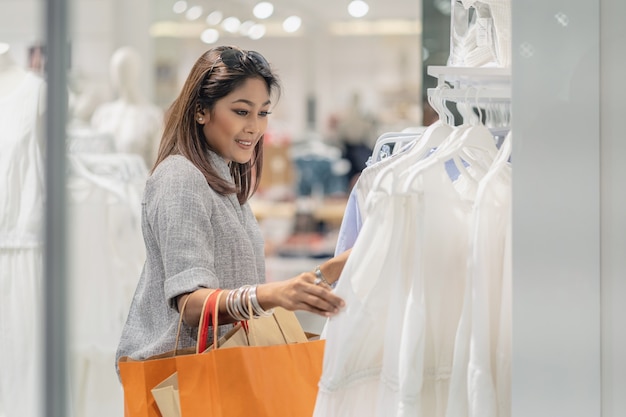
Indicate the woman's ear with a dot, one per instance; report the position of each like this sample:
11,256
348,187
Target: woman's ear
201,117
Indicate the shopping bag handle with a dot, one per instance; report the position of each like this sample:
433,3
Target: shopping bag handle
180,321
210,317
206,319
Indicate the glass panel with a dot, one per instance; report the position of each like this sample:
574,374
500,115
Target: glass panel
125,66
22,109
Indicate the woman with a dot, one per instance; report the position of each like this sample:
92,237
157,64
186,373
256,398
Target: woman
199,230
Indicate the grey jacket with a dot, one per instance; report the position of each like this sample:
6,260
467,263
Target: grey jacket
195,238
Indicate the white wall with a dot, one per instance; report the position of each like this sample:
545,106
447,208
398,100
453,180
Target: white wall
568,212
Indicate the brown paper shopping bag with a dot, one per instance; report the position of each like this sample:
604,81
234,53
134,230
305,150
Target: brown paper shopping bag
243,381
279,328
166,396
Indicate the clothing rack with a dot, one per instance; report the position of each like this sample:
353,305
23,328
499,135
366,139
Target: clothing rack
478,85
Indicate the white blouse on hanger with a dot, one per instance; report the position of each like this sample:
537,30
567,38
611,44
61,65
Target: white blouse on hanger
391,352
480,383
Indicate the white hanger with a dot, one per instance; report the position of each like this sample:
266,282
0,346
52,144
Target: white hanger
396,138
471,142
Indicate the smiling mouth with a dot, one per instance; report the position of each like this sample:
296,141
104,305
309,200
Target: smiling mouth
244,142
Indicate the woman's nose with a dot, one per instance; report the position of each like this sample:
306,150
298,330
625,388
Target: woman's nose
253,126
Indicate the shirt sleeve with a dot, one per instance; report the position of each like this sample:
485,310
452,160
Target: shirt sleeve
350,225
180,217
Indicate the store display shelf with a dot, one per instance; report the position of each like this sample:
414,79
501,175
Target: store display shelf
329,210
473,94
470,76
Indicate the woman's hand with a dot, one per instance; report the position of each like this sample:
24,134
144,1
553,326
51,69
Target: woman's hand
300,293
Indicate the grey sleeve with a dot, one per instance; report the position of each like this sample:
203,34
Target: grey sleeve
180,217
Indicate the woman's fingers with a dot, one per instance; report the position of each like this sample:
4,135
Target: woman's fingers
318,297
301,293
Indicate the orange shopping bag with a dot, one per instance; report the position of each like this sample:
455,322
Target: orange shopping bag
139,377
243,381
259,381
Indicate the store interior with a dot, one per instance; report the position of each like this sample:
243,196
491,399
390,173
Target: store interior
347,82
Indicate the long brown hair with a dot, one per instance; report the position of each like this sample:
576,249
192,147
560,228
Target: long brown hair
209,80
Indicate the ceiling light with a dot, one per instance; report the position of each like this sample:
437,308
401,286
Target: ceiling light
231,24
210,36
263,10
179,7
257,31
292,24
245,27
194,13
358,8
214,18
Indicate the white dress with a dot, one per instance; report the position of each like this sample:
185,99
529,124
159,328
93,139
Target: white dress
395,349
480,382
389,353
21,227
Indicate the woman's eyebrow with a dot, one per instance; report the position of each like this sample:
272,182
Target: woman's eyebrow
250,103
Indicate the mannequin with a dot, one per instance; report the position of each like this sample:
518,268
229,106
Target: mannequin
82,137
21,229
11,73
135,123
105,185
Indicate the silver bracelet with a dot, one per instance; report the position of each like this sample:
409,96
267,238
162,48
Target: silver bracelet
241,304
229,302
256,307
319,277
234,304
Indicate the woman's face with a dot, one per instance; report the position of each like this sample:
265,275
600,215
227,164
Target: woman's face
237,121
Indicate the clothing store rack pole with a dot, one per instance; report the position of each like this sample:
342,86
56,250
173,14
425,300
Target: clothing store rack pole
55,353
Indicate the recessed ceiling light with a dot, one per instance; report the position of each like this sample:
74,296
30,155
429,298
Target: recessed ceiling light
292,24
194,13
358,8
214,18
263,10
257,31
245,27
210,36
231,24
179,7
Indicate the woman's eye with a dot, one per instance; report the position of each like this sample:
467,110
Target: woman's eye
265,113
242,112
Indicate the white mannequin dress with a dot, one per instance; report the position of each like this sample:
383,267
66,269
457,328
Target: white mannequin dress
21,226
